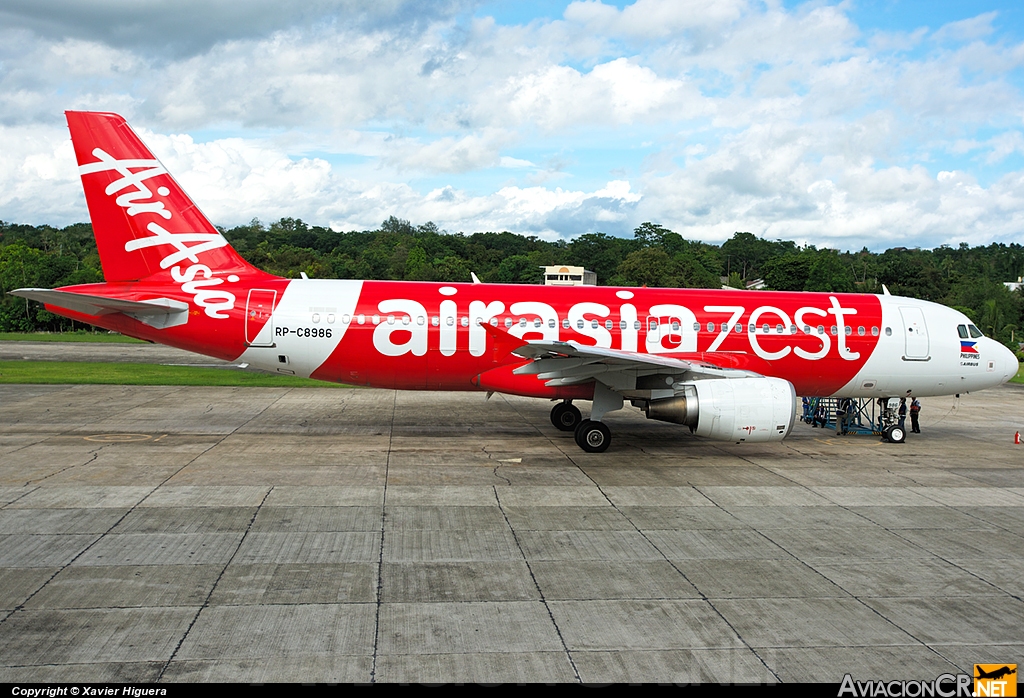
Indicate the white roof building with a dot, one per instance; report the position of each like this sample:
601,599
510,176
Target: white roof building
558,275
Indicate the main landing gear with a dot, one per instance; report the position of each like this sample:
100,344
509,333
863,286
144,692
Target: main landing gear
566,416
592,437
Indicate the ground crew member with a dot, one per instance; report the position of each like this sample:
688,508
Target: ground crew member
915,412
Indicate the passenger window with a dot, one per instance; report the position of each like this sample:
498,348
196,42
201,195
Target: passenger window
579,324
711,327
696,327
608,324
449,321
435,321
536,323
636,324
508,322
551,324
593,324
565,324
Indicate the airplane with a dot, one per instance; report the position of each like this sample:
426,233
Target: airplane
726,364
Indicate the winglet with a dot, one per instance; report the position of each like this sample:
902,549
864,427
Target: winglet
475,280
885,291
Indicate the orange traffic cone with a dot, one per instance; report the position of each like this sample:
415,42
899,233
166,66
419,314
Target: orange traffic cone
1016,438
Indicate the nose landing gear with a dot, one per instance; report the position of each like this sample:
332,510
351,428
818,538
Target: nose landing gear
895,434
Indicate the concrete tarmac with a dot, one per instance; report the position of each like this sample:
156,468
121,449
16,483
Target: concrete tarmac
104,352
249,534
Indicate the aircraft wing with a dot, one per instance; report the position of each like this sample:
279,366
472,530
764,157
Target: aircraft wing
566,363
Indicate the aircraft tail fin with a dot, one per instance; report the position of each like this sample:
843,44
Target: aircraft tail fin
143,220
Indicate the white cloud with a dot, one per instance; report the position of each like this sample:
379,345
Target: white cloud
189,26
38,177
967,29
654,18
708,117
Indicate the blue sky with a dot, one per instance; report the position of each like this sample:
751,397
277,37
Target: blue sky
840,124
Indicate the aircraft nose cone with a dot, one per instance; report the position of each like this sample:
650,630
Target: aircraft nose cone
1010,365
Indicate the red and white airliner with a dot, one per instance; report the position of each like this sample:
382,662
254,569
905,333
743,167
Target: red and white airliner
728,364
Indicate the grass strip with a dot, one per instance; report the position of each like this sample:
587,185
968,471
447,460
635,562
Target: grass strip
103,337
1019,378
83,373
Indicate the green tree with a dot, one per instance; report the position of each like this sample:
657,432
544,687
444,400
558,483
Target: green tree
417,268
517,269
649,266
652,235
829,273
451,269
787,273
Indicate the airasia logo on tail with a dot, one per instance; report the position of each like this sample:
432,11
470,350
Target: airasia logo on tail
132,194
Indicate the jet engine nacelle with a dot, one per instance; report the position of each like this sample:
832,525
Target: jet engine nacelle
737,409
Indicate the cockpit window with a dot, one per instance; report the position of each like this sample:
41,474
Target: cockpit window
975,332
962,330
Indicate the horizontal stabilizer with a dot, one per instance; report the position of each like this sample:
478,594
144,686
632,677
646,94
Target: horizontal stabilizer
156,312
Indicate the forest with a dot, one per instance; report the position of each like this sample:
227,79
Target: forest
964,277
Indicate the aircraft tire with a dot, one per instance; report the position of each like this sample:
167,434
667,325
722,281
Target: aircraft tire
566,416
593,437
896,434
